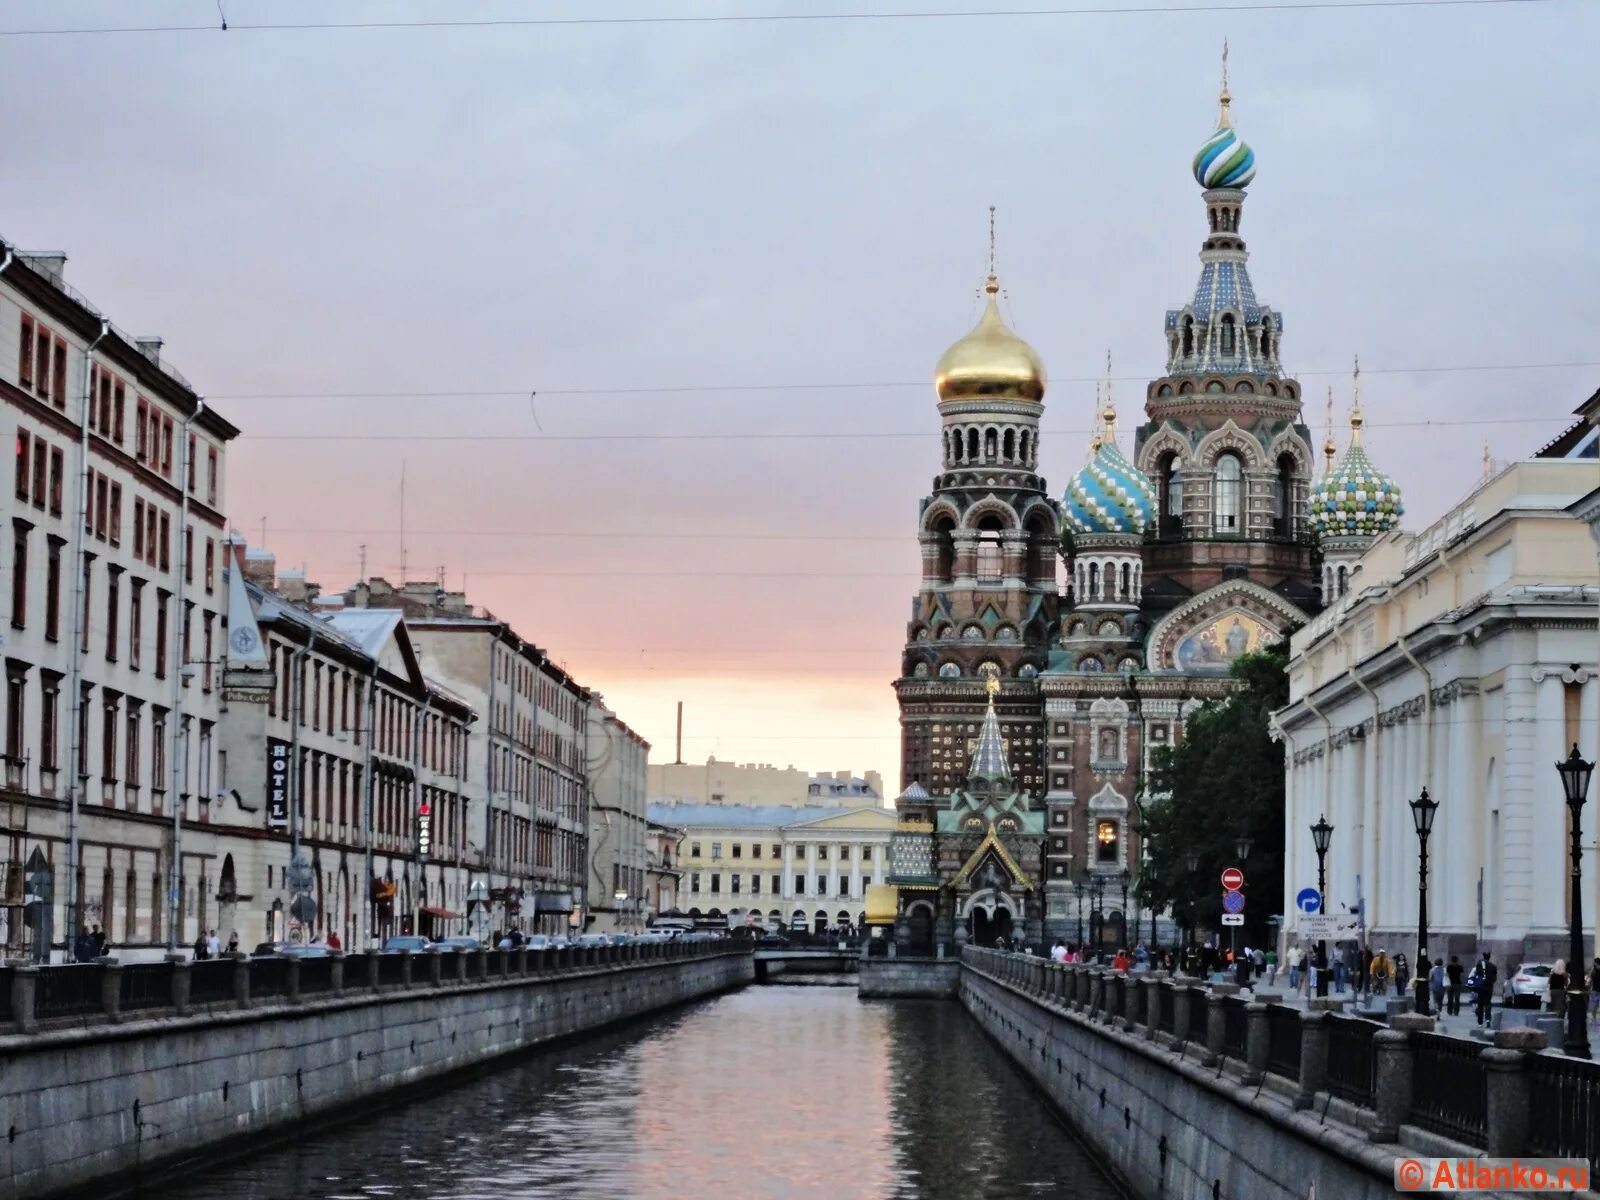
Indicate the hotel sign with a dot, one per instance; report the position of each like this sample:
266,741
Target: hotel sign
278,767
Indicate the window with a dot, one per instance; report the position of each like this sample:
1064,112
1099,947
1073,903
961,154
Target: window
694,851
165,561
755,849
108,738
991,556
166,445
40,479
211,564
158,748
49,712
112,588
57,475
738,850
844,889
755,885
716,883
16,691
1107,838
121,404
102,505
188,553
25,353
52,590
24,464
716,851
192,468
150,515
736,881
1229,339
19,574
161,634
135,621
1229,476
138,528
130,767
211,475
822,854
799,885
58,388
141,430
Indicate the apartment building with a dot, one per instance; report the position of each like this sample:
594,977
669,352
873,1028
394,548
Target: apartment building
614,770
113,627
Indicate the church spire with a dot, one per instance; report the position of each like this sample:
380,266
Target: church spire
989,755
1357,420
1224,119
1329,449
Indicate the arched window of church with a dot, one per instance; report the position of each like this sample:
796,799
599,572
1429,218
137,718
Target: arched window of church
1188,337
1022,447
1108,841
1229,341
991,445
1011,445
1108,745
1266,338
1170,494
1344,580
972,445
1285,495
1126,591
952,445
945,563
991,553
1230,476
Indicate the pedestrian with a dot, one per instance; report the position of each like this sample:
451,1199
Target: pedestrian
233,942
1341,969
1487,973
1271,963
333,940
201,950
1594,989
1292,961
99,942
1452,975
213,946
1241,968
1402,974
1558,987
1381,971
1436,984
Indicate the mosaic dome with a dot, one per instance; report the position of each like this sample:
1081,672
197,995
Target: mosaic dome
1355,499
1225,161
1109,495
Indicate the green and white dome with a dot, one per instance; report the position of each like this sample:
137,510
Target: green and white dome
1355,499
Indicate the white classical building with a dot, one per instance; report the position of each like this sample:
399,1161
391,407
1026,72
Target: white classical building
800,867
1461,659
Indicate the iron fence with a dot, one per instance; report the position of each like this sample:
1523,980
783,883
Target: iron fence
211,981
316,975
1235,1028
1564,1116
1283,1040
1449,1086
391,969
356,968
1352,1063
1166,1002
68,990
6,975
269,977
146,985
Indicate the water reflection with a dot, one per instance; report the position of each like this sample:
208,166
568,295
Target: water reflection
769,1092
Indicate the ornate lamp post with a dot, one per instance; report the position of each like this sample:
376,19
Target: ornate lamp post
1123,879
1241,847
1575,772
1097,913
1077,892
1422,813
1192,861
1321,838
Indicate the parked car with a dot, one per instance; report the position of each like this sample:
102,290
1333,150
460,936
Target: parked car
1528,986
405,941
772,939
540,941
461,942
591,939
559,941
290,950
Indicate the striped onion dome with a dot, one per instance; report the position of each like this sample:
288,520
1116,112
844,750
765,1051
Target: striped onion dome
1109,495
1355,499
1225,161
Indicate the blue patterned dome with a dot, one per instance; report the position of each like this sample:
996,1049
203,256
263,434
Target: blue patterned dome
1355,499
1225,161
1109,495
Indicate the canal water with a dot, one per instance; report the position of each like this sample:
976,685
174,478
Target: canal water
765,1093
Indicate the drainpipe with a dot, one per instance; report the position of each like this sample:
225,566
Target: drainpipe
75,671
488,778
417,721
180,679
367,799
296,716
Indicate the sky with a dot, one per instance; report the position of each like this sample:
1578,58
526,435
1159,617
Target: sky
646,314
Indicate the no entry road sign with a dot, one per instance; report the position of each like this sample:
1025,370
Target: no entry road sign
1233,879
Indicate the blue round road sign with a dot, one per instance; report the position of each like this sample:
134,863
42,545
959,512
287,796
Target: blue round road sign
1233,902
1308,900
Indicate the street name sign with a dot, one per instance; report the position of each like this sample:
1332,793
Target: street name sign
1329,927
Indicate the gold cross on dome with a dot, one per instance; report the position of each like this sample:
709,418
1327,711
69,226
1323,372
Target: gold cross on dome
991,680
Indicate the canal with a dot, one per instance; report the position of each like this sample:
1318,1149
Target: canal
768,1093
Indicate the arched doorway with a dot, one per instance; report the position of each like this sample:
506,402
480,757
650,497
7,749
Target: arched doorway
821,920
986,928
919,923
227,901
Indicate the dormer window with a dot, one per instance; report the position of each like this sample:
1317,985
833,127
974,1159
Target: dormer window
1228,337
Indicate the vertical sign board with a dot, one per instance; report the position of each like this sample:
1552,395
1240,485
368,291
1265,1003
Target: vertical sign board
277,783
424,829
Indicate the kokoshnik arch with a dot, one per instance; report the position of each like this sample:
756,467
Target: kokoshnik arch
1028,713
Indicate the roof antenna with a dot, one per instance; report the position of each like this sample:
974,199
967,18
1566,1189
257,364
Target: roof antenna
223,15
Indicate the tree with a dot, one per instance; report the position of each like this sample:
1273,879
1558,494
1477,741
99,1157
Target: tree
1224,779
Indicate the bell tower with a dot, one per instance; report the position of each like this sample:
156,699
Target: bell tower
987,601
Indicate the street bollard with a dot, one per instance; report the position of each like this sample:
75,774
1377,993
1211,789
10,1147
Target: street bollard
1508,1089
110,988
461,966
405,968
522,959
435,967
1157,995
336,972
291,981
373,968
1182,1010
178,965
1257,1042
1216,1022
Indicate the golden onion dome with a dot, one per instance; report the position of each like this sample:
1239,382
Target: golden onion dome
991,361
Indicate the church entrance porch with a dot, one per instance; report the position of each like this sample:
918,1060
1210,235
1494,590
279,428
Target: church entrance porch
984,929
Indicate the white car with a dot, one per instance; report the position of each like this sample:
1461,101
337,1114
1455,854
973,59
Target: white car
1528,986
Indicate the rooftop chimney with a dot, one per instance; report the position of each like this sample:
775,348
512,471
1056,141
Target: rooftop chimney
52,264
150,347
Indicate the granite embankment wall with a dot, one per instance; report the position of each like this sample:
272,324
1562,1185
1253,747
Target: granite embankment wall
913,978
96,1106
1188,1093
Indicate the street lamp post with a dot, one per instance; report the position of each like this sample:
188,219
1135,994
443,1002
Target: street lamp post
1422,813
1078,896
1241,846
1123,879
1192,861
1575,772
1321,837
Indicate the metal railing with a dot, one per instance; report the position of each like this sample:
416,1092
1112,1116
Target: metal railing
109,990
1283,1040
1449,1086
1235,1028
1564,1113
1352,1059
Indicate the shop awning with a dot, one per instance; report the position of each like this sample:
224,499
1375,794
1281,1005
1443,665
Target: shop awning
882,901
443,914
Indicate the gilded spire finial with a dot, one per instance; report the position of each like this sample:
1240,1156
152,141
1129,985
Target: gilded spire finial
1356,419
1224,121
1108,414
1329,449
991,681
992,284
1096,436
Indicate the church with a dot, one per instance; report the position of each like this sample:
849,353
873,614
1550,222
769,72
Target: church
1028,710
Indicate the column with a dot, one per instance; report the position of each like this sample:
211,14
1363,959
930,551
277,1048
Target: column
1551,863
857,892
834,850
880,853
811,870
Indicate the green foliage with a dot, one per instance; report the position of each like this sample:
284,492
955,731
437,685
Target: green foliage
1223,779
